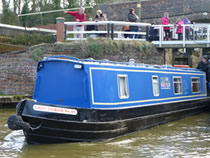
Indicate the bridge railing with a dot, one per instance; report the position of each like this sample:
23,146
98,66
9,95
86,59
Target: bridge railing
192,34
108,29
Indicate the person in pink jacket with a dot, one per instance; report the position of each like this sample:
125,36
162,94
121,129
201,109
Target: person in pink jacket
164,21
179,29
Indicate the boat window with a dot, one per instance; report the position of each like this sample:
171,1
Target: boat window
195,81
177,85
155,84
123,86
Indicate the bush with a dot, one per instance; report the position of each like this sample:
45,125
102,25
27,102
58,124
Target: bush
37,54
96,48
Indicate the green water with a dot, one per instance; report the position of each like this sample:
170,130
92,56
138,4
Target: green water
189,137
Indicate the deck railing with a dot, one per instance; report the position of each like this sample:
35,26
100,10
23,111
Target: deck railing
199,34
112,29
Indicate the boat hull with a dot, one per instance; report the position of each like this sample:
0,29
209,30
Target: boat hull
97,125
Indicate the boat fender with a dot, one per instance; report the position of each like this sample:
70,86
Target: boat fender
15,122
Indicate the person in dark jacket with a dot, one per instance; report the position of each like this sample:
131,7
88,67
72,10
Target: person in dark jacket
132,17
90,28
153,33
204,66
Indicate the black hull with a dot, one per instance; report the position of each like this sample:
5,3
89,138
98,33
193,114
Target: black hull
96,125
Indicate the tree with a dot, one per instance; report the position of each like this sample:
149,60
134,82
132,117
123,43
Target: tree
25,10
56,4
8,17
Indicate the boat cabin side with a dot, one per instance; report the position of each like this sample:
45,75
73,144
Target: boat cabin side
124,87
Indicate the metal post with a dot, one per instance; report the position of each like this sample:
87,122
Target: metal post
208,29
108,30
147,32
112,31
65,31
193,31
41,19
184,36
18,21
139,6
160,35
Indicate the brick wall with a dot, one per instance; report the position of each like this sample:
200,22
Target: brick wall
18,72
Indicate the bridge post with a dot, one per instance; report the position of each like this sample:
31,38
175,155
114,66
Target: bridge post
60,29
112,31
168,56
208,29
108,30
184,36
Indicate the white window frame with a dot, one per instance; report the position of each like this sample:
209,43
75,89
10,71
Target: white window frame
126,86
176,82
153,81
196,82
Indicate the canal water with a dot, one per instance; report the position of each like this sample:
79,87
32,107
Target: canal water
189,137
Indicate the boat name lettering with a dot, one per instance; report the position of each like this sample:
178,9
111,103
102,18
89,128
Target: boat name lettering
54,109
165,83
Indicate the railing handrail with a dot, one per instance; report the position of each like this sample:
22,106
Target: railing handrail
192,25
108,22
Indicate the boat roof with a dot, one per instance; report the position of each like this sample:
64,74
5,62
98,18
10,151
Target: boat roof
106,62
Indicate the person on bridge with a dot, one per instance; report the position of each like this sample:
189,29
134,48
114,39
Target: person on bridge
179,29
79,16
187,28
100,16
164,21
132,17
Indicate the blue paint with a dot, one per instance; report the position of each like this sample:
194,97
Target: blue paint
60,82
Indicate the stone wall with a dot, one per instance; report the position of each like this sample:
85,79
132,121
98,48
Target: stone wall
152,10
118,11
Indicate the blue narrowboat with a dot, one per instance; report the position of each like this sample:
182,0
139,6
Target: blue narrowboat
89,100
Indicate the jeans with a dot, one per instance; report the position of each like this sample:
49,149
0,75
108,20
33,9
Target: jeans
180,36
187,34
132,35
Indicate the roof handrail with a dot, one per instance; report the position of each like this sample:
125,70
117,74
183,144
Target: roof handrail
62,56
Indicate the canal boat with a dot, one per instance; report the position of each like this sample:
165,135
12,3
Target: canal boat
89,100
